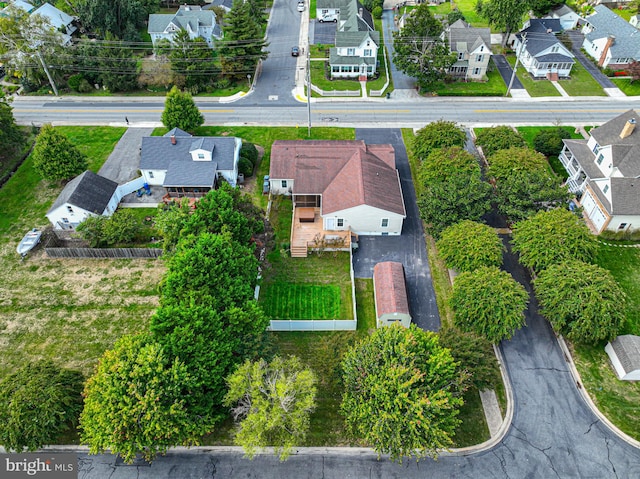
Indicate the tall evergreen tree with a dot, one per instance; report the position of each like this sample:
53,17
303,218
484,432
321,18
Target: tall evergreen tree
118,66
243,45
193,60
55,158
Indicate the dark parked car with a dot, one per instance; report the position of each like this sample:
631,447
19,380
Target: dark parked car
295,51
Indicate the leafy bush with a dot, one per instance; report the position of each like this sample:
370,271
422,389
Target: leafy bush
245,167
469,245
549,142
250,152
101,231
377,12
438,134
499,138
74,82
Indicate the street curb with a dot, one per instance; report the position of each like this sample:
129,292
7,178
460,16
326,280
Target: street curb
585,395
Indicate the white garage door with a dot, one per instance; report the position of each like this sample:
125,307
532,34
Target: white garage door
594,213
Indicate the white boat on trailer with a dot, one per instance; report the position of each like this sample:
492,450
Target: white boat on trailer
30,240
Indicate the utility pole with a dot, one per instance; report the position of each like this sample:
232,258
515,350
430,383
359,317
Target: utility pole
309,87
46,70
513,74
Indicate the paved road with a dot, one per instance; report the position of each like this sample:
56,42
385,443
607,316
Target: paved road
277,78
400,80
408,248
410,112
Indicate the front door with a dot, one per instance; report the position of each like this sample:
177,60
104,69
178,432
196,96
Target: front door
331,224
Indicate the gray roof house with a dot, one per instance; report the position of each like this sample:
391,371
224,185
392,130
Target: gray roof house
605,172
191,18
568,18
624,353
86,195
609,40
187,165
473,48
357,43
540,52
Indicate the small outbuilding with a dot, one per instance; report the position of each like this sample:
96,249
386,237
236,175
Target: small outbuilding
390,294
624,352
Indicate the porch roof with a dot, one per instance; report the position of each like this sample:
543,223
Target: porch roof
584,156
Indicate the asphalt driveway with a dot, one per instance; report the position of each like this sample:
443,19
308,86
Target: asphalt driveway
506,72
322,33
408,248
577,39
124,161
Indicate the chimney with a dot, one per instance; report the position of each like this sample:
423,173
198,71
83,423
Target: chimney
628,128
173,139
610,41
360,12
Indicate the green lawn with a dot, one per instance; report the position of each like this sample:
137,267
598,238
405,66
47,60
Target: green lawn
494,86
535,88
316,287
618,400
468,9
581,83
69,311
319,79
25,198
629,87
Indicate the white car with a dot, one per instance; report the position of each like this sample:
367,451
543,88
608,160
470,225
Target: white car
301,6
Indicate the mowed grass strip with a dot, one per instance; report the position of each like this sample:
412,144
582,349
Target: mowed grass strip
302,301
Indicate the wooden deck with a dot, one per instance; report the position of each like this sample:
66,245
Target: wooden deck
310,235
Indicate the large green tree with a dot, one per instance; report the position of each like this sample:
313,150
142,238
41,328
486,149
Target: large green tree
135,403
211,344
524,183
469,245
38,402
582,301
489,303
551,237
192,61
419,50
26,42
402,392
272,403
55,158
438,134
451,189
212,270
243,45
180,111
121,18
504,15
499,138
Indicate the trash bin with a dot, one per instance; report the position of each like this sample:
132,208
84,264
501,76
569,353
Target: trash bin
388,95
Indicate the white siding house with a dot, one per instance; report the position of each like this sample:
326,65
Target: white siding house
540,52
472,47
609,40
86,195
191,18
604,172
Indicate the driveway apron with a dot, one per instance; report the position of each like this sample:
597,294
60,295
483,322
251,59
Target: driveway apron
408,248
123,163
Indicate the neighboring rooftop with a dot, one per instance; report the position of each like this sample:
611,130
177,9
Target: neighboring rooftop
89,191
606,23
627,349
390,289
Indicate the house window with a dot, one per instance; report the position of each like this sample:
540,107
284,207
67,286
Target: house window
479,58
325,11
605,189
65,220
69,209
284,183
151,174
370,69
201,156
351,52
555,49
482,48
622,226
368,43
385,222
367,53
600,158
335,69
340,222
596,148
460,55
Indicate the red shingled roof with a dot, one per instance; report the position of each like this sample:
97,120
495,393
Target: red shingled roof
346,173
390,288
